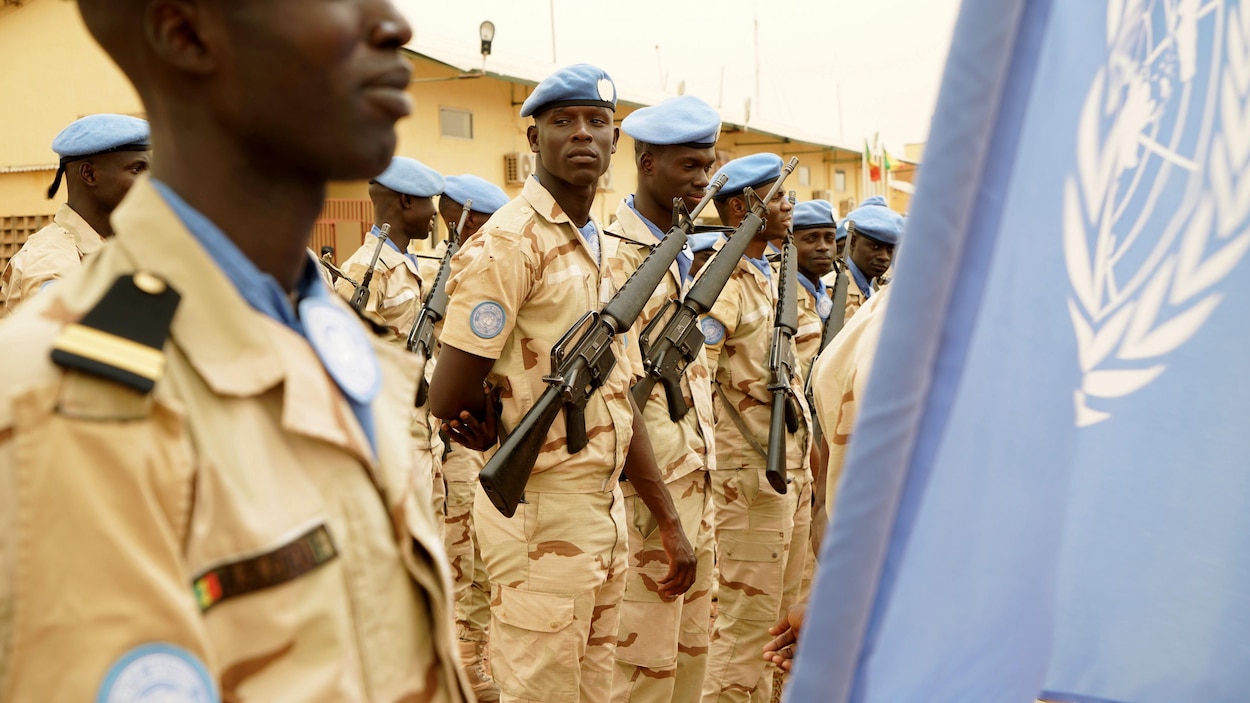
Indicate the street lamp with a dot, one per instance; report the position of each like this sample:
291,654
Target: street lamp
487,32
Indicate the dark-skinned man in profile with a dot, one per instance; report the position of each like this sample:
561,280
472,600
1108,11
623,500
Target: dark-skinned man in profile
222,486
100,158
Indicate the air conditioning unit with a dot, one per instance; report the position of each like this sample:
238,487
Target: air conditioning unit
517,167
846,206
822,195
605,181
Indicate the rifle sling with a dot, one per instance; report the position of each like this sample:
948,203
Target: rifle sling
739,423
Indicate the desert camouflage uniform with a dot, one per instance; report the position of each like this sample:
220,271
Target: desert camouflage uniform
557,567
47,255
807,339
395,295
760,574
839,378
468,574
661,652
122,513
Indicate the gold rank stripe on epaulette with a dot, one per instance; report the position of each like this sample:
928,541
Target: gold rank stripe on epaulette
286,563
123,336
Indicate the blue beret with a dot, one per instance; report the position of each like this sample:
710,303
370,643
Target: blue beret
702,241
684,119
411,177
98,134
746,172
486,196
579,84
876,221
814,213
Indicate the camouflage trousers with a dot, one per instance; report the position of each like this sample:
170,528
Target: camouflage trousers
661,649
761,540
429,446
557,574
471,588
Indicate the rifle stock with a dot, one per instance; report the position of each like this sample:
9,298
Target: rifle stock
666,357
781,364
580,364
360,297
434,308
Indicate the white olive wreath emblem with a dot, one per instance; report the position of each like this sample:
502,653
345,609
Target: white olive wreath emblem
1154,216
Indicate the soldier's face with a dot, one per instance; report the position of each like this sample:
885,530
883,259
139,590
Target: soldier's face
574,144
777,221
681,172
419,217
815,247
316,85
871,256
113,174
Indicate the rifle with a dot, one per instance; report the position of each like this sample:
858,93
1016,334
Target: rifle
361,297
666,356
781,364
580,363
833,325
335,271
434,307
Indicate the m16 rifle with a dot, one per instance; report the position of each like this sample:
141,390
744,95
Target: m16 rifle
580,363
360,298
434,308
781,364
335,271
666,355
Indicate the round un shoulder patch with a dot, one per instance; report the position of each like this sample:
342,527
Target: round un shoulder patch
487,319
155,673
713,330
343,348
824,307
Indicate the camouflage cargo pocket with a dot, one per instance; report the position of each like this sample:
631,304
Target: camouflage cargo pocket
533,646
751,574
649,625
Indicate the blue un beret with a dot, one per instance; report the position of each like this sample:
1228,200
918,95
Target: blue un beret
411,177
702,241
486,196
875,220
98,134
685,120
579,84
870,200
814,213
746,172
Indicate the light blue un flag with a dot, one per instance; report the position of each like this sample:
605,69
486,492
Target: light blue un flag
1048,491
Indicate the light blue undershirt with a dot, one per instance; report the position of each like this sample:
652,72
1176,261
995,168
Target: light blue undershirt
861,281
684,259
258,288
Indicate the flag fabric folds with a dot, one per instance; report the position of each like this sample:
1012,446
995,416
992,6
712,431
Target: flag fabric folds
1045,492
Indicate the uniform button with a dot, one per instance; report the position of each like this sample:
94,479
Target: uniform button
555,625
148,283
774,555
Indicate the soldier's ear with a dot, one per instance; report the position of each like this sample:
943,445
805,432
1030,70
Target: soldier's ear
405,201
531,133
86,173
646,162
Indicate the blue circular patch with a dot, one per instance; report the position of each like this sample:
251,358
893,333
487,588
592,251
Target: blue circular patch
824,307
713,330
487,319
343,348
155,673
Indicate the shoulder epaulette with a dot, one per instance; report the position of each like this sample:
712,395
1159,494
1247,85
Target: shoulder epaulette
123,337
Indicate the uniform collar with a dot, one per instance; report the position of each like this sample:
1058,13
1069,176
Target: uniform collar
546,207
861,281
86,239
391,255
631,225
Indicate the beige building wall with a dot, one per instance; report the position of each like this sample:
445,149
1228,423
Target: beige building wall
54,73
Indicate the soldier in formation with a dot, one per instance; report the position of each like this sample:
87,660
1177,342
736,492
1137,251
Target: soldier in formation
271,515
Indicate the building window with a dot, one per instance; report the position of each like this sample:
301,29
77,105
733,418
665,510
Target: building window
455,124
839,181
805,176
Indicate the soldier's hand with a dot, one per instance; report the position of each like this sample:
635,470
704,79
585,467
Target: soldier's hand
467,431
681,563
781,649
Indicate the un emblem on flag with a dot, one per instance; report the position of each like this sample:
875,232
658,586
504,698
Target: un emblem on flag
1155,210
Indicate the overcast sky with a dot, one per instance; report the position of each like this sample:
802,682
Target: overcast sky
882,58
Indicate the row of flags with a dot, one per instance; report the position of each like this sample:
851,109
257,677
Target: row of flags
1046,493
